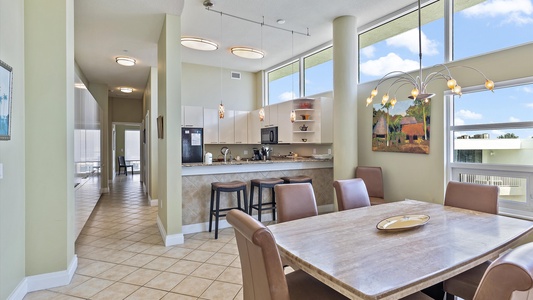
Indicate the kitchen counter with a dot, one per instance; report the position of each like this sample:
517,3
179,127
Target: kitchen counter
276,164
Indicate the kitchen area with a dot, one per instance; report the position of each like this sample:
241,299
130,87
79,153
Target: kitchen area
287,139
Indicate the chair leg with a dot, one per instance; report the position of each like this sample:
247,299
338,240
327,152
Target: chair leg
250,206
245,199
217,214
273,204
211,209
259,203
450,296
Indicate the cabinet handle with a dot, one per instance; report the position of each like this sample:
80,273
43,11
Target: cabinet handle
186,125
238,142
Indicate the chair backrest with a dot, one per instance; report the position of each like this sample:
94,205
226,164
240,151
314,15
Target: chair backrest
262,270
479,197
295,201
510,272
351,193
121,161
373,178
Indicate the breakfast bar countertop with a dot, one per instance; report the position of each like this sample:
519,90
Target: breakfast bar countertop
248,165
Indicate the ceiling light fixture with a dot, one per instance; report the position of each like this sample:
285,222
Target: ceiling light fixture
126,90
125,61
198,43
419,92
246,52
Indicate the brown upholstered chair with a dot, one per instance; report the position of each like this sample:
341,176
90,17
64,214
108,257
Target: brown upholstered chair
478,197
295,201
373,178
262,271
351,193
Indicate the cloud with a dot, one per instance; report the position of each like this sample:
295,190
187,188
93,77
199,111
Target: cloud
287,96
518,12
409,40
527,89
530,105
368,51
513,119
388,63
470,115
458,121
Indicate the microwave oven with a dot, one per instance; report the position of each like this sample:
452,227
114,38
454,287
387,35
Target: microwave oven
269,135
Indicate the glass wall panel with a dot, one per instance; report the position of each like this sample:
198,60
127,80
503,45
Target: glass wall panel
284,83
318,72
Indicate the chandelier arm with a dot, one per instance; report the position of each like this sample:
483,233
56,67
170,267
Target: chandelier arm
471,68
436,75
407,77
399,79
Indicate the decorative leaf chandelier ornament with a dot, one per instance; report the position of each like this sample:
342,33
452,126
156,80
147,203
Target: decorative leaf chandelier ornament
420,83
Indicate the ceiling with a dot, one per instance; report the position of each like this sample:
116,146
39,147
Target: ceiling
106,29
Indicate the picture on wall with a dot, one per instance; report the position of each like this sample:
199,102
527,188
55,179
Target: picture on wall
6,81
403,127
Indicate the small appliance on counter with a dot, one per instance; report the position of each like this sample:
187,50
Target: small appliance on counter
257,154
266,151
192,145
208,160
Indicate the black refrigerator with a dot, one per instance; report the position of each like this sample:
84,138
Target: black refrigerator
192,145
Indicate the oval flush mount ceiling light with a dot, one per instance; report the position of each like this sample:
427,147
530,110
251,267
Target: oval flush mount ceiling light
198,44
125,61
126,90
249,53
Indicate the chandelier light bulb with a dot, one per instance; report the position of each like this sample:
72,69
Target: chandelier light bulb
374,93
368,101
414,93
451,83
489,84
384,99
393,101
457,90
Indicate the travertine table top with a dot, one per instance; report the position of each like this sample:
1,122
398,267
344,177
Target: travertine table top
346,251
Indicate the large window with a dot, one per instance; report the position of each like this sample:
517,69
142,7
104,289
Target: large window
393,46
491,142
484,26
318,72
284,83
132,148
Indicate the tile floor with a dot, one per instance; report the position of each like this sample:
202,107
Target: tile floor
121,256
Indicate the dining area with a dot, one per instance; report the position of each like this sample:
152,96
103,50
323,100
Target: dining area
408,249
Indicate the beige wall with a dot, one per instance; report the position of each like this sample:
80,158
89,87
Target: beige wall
126,110
419,176
150,109
12,153
201,87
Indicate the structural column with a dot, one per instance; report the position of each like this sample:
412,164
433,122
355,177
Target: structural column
345,97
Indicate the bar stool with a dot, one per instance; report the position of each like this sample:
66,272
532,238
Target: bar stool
264,183
227,187
297,179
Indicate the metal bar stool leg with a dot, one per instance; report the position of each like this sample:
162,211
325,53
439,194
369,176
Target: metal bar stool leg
217,214
211,209
259,203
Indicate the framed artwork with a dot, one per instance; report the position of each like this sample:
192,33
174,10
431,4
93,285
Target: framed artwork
160,132
403,127
6,88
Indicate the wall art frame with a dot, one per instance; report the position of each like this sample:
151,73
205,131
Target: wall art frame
6,95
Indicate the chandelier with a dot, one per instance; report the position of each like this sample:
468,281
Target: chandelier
420,83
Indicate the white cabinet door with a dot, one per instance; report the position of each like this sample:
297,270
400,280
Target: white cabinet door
226,128
326,120
284,122
271,116
241,127
192,116
254,127
210,126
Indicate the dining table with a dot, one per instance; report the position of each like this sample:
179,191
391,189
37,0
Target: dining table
347,251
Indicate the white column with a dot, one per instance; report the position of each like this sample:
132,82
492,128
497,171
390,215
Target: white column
345,97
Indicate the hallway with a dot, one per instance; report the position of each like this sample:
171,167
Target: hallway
121,256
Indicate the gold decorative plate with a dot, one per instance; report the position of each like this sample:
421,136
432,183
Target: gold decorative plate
403,222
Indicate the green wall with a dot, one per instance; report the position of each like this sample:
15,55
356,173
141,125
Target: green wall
12,153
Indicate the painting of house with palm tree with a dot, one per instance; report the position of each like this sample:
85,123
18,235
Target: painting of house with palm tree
403,127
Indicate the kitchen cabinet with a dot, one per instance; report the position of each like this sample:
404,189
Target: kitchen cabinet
271,116
254,127
226,128
210,126
241,127
192,116
284,123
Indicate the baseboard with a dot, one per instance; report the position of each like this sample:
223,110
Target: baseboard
169,240
153,202
104,190
20,291
44,281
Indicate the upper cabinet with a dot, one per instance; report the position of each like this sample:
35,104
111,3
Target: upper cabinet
192,116
226,128
271,116
284,124
241,127
210,126
254,127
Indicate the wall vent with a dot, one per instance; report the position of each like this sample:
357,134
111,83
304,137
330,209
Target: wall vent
235,75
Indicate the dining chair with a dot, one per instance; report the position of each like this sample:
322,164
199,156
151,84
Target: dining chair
478,197
295,201
122,164
373,178
351,193
262,272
